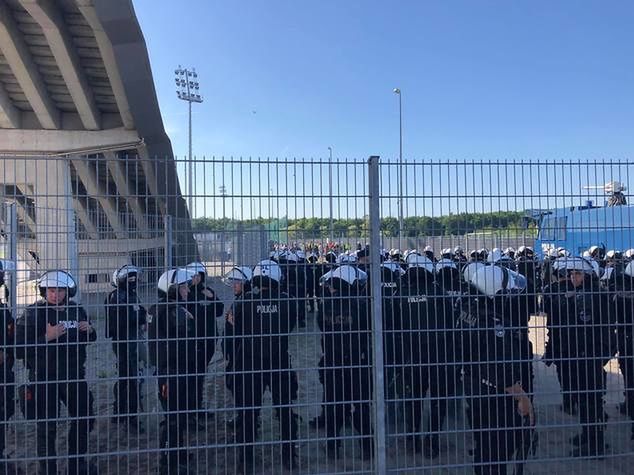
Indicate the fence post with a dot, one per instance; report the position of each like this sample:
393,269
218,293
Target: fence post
376,306
12,254
169,241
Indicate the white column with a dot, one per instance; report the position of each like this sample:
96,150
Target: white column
54,216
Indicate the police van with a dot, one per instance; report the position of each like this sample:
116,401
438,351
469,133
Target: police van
576,228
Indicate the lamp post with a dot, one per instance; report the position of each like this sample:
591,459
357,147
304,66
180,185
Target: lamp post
223,193
188,89
332,226
397,91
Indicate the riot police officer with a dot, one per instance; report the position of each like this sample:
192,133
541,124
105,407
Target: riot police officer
499,409
294,282
172,345
623,300
125,321
427,321
51,337
203,304
585,344
7,378
346,338
239,279
262,323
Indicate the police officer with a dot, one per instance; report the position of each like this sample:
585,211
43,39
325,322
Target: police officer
239,280
427,321
346,339
294,282
125,321
7,378
499,409
585,343
623,300
51,337
172,345
262,323
391,273
203,304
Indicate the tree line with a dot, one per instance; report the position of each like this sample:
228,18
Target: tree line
510,222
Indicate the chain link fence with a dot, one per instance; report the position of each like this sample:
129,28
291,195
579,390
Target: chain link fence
379,376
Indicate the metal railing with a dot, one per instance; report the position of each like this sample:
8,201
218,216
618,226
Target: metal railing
401,396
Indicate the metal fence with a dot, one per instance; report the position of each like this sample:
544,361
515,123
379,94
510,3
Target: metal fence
372,380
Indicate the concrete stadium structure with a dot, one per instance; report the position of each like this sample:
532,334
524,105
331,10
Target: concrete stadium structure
85,157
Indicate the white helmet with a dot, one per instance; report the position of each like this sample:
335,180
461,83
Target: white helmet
418,261
445,263
494,256
238,274
470,269
491,280
122,274
290,256
268,268
347,273
196,268
629,254
581,264
346,258
58,279
410,252
393,266
169,281
629,269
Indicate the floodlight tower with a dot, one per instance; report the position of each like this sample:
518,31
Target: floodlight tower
188,89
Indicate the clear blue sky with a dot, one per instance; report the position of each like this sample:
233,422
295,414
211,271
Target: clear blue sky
487,80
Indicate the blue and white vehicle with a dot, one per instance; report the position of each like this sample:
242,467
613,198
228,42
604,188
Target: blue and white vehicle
577,228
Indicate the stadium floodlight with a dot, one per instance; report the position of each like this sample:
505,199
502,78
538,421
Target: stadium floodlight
188,89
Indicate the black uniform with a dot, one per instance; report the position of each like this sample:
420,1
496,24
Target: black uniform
427,317
262,322
56,368
582,342
295,286
490,350
347,373
228,344
623,302
172,345
205,307
124,318
7,386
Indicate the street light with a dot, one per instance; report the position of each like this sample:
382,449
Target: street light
332,227
188,89
223,193
397,91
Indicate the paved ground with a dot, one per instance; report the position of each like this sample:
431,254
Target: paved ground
117,451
